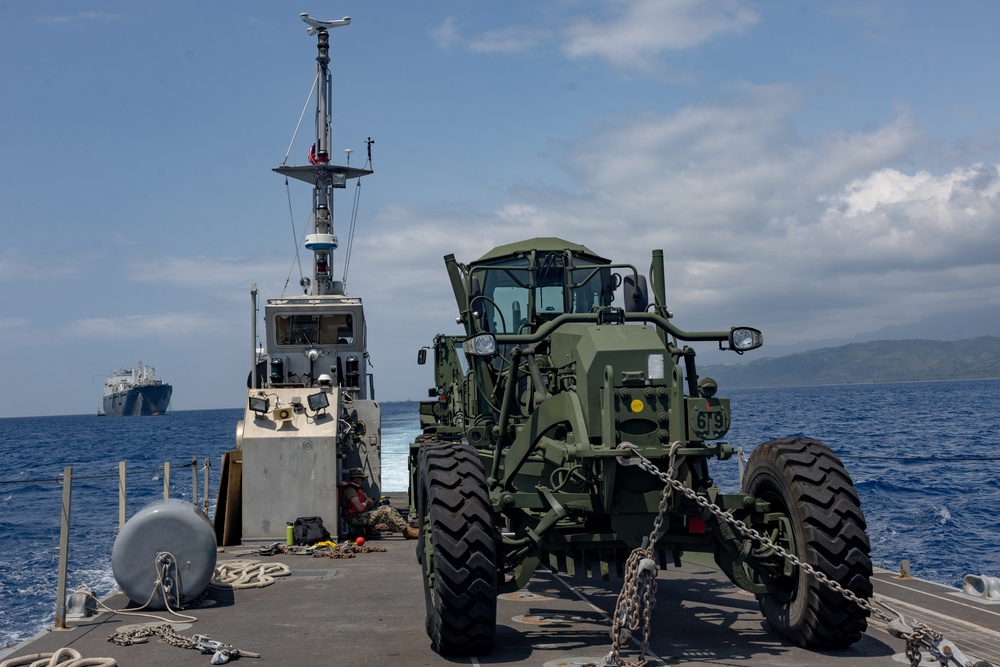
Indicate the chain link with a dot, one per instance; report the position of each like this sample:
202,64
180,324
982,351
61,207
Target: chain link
634,603
130,637
766,542
638,595
223,652
140,635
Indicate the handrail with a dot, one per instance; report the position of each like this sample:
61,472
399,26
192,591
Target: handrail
66,479
547,328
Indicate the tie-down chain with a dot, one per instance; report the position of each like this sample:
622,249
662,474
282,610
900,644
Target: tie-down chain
637,597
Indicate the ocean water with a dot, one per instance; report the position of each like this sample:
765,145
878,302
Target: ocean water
924,456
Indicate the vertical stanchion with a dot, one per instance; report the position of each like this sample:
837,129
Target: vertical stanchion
60,623
121,494
166,480
208,465
194,481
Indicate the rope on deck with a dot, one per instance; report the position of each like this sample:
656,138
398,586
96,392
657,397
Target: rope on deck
64,657
248,574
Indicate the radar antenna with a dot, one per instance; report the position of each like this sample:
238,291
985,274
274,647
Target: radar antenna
315,25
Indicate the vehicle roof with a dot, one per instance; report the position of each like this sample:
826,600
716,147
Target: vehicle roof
543,244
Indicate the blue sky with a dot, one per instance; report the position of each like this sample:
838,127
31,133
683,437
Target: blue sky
818,170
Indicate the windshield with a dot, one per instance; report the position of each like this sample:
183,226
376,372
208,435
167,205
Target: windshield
506,304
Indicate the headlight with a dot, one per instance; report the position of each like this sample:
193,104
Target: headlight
742,339
483,345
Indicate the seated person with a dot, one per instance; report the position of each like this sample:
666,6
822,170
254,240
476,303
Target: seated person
364,513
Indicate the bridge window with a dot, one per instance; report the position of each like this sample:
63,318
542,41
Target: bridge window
327,329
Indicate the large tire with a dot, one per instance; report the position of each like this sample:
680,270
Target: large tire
457,549
805,480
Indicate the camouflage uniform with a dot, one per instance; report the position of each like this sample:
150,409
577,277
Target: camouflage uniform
379,516
382,515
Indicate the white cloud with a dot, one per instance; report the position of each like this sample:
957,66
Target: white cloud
919,219
16,265
79,17
139,327
808,236
715,165
637,31
218,275
13,323
509,39
512,39
446,34
629,33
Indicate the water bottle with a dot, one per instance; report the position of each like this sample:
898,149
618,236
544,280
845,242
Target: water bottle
289,535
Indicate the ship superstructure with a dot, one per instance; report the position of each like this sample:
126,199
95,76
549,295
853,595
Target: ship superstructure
133,392
310,412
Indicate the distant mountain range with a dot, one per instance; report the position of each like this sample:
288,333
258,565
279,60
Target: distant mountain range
874,361
951,326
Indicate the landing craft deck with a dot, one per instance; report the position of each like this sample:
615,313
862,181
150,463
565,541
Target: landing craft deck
370,610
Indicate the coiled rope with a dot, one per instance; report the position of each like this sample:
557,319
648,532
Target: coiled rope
64,657
248,574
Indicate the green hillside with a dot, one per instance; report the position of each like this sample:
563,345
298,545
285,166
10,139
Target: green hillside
877,361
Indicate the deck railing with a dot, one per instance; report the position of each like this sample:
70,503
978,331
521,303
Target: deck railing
66,479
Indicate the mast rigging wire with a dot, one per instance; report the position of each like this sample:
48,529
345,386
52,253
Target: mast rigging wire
350,235
301,116
295,238
354,215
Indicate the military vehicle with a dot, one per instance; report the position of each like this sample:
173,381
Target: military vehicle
565,432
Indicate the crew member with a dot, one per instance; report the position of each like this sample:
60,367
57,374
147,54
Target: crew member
365,513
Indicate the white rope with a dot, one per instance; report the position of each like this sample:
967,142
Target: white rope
64,657
157,587
248,574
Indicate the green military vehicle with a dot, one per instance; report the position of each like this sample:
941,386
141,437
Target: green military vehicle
565,432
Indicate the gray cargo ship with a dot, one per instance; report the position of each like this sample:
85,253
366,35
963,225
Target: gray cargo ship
133,392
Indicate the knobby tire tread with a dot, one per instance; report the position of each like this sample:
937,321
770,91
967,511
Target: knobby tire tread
455,508
830,536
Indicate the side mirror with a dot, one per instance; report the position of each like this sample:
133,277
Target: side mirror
422,356
636,294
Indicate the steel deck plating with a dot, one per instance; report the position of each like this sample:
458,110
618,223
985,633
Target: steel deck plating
370,610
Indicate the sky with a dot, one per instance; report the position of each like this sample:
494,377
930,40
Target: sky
819,170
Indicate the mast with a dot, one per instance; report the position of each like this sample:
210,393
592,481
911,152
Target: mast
320,173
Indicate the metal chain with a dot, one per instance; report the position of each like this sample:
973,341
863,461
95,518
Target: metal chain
174,639
346,551
756,536
222,652
638,595
915,637
128,638
140,635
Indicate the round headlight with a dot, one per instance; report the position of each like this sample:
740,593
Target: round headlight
483,345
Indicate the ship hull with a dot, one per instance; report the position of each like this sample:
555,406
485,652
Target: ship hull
138,401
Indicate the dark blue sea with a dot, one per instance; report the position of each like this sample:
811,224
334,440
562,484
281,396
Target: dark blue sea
925,457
